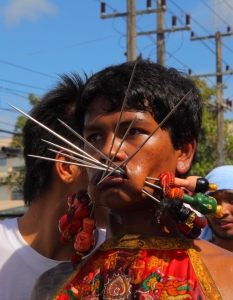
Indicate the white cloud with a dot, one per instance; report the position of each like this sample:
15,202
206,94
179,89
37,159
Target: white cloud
18,10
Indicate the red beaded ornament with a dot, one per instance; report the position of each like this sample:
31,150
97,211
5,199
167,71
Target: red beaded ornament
76,225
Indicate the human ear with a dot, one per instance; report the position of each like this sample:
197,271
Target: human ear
67,172
186,157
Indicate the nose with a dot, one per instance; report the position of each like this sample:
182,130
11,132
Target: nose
226,208
113,148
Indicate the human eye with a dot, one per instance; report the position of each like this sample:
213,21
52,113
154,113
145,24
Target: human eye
93,138
231,200
134,131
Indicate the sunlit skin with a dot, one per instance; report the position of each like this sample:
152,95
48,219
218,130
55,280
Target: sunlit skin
123,195
223,228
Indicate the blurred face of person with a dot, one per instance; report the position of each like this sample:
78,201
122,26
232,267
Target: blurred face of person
223,228
156,156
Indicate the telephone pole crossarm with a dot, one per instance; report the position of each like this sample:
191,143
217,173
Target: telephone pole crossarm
219,103
212,74
165,30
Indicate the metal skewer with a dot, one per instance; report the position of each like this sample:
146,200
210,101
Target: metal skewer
160,124
152,185
118,148
73,158
87,159
86,142
66,162
123,106
50,130
149,195
153,178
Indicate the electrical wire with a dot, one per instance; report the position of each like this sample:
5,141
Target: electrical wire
7,124
217,15
26,69
228,4
22,84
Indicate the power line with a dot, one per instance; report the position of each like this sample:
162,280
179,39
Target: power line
22,84
228,4
13,93
64,47
26,69
200,26
2,88
7,124
214,12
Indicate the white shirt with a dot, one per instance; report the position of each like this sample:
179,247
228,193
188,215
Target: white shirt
21,265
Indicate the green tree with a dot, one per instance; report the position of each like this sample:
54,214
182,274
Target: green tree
17,140
207,144
15,179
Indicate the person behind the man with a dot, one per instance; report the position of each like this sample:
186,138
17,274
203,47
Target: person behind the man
220,231
31,244
141,258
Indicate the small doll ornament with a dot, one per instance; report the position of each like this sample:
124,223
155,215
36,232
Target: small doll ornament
177,191
84,239
76,225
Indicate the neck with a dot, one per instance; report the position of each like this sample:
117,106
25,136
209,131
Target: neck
140,222
225,244
39,226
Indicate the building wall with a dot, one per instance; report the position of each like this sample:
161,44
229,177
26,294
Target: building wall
8,164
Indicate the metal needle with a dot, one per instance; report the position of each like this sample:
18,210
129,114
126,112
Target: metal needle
153,178
118,148
73,158
66,162
149,195
85,141
50,130
160,124
123,105
152,185
87,159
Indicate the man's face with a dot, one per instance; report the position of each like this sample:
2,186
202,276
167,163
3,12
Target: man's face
156,156
223,228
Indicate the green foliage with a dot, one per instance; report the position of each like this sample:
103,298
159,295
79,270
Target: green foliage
33,99
207,144
20,122
16,179
229,140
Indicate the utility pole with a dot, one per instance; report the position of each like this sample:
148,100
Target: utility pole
131,31
131,26
161,8
160,34
219,103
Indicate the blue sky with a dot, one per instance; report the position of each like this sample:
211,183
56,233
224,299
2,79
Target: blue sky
41,39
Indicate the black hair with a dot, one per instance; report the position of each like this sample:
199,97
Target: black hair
154,88
59,103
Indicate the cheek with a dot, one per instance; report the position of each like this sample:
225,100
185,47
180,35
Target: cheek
210,220
162,158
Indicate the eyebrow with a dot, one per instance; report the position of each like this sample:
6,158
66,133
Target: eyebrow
138,122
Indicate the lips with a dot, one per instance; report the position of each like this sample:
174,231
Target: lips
224,224
113,178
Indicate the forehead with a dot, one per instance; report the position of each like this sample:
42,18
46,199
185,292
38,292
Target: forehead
101,106
221,194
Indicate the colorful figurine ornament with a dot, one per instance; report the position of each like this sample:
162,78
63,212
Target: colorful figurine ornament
176,192
77,226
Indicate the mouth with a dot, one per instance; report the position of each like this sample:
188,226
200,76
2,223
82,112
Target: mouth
224,224
114,177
